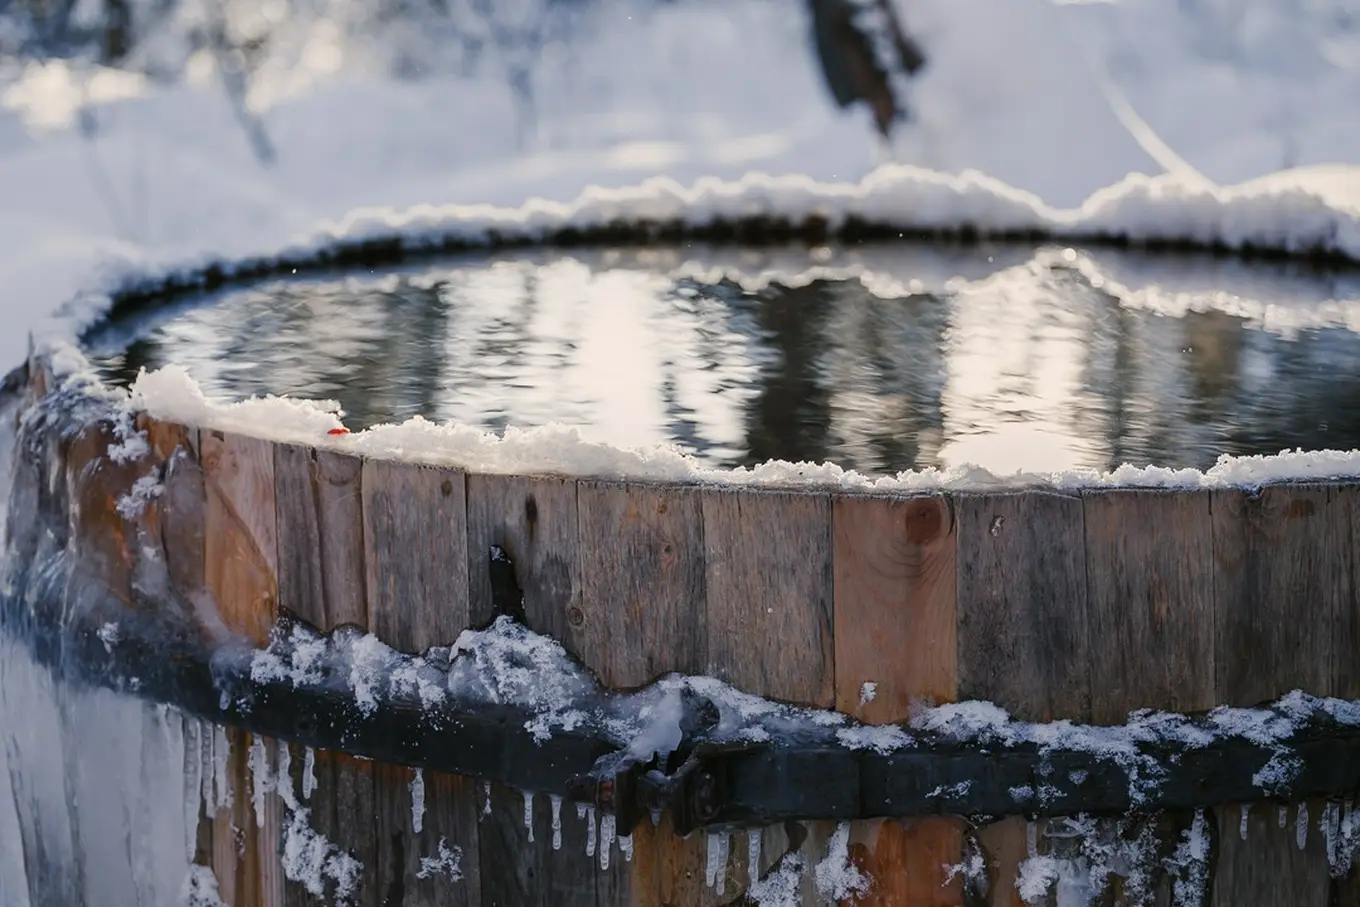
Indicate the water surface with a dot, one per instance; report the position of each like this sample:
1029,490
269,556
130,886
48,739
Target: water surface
878,359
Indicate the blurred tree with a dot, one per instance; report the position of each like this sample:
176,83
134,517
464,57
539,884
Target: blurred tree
863,49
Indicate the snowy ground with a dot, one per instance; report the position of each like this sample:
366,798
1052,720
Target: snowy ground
1058,100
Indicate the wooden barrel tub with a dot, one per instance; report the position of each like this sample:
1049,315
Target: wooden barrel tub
1081,605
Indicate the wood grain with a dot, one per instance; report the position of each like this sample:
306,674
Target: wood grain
104,540
415,541
769,589
642,581
643,615
1149,567
895,625
415,545
323,579
1285,609
320,507
1269,867
1023,637
240,540
240,558
768,559
179,515
245,852
1283,592
535,521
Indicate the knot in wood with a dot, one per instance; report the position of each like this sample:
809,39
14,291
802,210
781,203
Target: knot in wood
925,520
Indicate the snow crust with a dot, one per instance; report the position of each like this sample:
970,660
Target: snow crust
171,394
507,664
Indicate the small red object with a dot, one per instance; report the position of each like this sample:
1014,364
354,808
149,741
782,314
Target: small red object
338,431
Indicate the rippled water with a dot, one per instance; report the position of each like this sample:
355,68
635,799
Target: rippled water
881,359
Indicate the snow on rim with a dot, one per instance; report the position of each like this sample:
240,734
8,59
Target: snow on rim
1309,212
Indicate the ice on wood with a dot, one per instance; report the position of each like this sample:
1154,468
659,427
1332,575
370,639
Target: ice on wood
308,773
837,878
284,777
418,801
555,802
529,815
310,859
447,862
262,778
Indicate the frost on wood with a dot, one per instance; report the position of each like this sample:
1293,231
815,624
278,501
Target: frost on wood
556,803
200,889
310,859
284,777
783,886
837,878
143,492
418,801
446,862
308,773
262,778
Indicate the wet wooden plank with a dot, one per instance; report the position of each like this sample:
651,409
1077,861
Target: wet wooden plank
239,563
323,579
342,808
1022,631
642,581
643,615
1023,625
767,556
1283,595
768,559
1269,867
321,564
895,625
1149,568
415,539
240,539
1285,620
415,544
535,521
178,515
246,847
103,538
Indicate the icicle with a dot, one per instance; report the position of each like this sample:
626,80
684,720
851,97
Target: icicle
724,845
261,780
711,867
284,779
1242,822
1283,817
1031,839
556,802
529,814
626,846
418,801
221,778
209,767
1301,827
308,773
486,798
606,838
656,815
753,839
590,831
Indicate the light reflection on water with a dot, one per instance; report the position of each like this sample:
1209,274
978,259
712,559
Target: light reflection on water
878,360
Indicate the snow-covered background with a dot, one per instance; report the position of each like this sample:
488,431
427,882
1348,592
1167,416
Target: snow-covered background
236,126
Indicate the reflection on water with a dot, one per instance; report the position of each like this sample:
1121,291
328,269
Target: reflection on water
880,360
